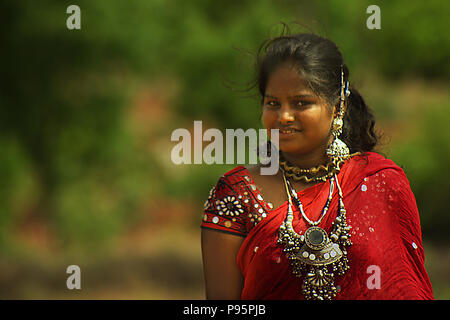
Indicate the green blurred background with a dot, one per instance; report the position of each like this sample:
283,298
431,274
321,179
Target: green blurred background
86,118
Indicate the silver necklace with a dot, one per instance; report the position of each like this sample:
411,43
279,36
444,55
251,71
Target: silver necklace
300,206
314,255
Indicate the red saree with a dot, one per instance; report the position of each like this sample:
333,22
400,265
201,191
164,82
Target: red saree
386,259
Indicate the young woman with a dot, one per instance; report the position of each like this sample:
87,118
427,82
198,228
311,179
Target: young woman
338,221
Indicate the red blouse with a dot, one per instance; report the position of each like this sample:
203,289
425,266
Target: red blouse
386,259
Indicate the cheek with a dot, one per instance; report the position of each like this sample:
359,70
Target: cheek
315,122
269,119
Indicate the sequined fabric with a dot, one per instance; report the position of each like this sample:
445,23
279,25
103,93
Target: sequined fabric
235,204
381,209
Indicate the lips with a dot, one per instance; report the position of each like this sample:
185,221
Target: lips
288,130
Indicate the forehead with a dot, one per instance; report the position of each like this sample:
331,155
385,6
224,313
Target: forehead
285,81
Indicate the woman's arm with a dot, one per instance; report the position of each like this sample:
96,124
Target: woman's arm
223,279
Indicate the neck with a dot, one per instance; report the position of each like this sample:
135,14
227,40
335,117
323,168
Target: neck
306,161
311,159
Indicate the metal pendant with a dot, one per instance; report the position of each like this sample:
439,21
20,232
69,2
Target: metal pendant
318,249
315,256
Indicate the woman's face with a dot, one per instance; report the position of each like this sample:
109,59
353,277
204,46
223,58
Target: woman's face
303,118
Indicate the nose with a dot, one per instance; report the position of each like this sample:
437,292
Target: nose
286,115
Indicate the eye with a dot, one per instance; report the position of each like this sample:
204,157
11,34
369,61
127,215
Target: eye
271,103
302,103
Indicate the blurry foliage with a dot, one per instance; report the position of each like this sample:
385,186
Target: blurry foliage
68,154
412,40
16,185
425,156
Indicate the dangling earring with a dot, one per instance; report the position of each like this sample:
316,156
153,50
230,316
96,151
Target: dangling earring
338,150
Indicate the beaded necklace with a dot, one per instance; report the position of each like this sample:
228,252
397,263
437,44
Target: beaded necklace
311,174
314,255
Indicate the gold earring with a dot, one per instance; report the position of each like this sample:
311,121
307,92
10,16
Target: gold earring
338,150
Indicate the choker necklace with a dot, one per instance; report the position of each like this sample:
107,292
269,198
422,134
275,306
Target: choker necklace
315,255
309,175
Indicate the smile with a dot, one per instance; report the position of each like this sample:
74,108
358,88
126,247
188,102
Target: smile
288,131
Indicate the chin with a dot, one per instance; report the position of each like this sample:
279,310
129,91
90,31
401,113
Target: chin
293,149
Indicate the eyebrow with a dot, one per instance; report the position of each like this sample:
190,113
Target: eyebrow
296,96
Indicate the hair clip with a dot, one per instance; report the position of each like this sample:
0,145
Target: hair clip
347,89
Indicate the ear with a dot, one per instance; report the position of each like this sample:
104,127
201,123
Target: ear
335,110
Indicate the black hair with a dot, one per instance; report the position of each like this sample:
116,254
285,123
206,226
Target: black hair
319,62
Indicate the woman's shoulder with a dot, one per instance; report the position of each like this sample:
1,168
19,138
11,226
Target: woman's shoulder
241,180
388,176
370,163
370,166
232,181
371,157
234,175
